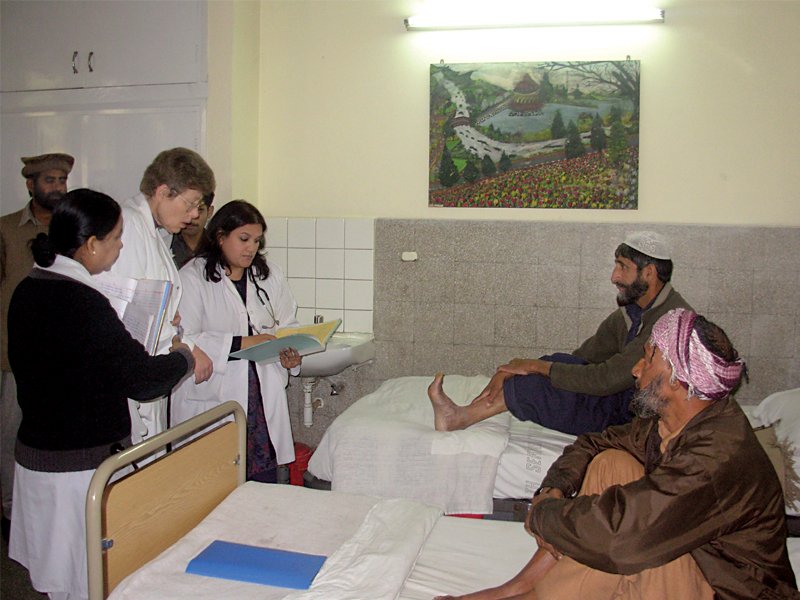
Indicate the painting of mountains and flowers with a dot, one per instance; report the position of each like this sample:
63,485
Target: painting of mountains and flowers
535,135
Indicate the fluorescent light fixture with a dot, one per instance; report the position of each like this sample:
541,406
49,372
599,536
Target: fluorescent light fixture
544,16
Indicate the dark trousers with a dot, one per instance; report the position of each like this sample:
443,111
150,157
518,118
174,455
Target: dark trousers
533,398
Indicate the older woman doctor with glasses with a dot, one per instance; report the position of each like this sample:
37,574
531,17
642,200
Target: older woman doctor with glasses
233,299
172,188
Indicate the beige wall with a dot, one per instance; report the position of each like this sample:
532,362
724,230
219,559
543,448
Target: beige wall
233,98
341,128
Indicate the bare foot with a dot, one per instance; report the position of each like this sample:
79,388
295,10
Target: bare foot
445,411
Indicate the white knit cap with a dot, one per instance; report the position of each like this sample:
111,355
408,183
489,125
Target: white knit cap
650,243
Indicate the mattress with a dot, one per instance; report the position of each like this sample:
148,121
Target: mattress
441,554
530,451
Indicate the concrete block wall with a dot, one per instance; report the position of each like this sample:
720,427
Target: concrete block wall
483,292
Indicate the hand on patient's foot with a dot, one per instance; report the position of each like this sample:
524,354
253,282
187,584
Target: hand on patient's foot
445,411
493,391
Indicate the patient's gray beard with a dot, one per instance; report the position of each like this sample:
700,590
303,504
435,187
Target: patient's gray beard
648,402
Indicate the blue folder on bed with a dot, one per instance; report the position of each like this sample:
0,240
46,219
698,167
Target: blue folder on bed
254,564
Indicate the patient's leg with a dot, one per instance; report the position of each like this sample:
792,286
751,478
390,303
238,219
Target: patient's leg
449,416
568,580
520,587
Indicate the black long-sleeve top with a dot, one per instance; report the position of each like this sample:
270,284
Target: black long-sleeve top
75,366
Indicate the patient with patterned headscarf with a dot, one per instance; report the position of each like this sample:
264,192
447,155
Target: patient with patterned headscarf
681,503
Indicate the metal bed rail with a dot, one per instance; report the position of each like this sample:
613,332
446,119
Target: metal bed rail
97,545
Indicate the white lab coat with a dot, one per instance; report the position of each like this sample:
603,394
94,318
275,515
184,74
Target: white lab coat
212,313
145,255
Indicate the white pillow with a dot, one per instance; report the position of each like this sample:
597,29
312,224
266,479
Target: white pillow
782,409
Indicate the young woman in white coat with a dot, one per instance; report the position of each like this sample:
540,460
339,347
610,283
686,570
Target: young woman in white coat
232,299
172,188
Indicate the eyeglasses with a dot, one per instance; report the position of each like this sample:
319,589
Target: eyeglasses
190,206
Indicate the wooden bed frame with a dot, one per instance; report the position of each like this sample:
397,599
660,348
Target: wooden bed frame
132,520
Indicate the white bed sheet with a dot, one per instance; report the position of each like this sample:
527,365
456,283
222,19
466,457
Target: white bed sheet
456,556
385,445
530,451
793,545
276,516
360,452
466,555
410,542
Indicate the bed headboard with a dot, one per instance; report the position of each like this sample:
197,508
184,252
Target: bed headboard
132,520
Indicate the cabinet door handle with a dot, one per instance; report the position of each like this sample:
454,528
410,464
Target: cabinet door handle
89,61
74,66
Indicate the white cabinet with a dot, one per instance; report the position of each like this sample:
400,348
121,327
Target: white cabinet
113,133
58,44
111,82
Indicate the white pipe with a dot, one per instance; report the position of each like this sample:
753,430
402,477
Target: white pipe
308,407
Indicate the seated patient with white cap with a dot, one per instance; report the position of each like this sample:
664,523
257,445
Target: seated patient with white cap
590,388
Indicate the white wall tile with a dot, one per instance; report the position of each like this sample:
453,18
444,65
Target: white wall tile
330,293
358,264
358,320
301,262
277,232
330,263
357,295
306,315
279,256
359,233
324,277
331,314
330,233
302,233
304,291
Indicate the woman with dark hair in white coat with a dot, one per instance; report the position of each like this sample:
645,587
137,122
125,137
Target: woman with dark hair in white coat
76,366
233,298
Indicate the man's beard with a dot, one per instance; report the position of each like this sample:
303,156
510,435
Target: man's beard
49,200
647,402
631,293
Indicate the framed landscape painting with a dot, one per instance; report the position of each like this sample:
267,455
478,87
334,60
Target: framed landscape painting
535,135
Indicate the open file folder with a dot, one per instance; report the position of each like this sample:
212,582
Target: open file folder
306,339
254,564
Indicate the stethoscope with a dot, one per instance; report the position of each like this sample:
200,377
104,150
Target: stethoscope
263,297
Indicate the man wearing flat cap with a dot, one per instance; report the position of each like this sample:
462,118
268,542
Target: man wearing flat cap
46,179
592,387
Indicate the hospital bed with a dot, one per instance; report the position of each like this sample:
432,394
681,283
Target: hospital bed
143,529
385,444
